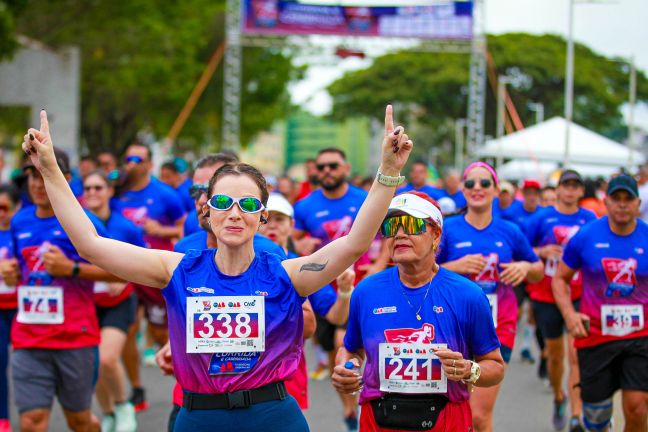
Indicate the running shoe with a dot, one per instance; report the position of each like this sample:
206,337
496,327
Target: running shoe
351,423
138,400
148,358
321,373
527,357
125,418
542,369
559,418
108,423
575,425
5,426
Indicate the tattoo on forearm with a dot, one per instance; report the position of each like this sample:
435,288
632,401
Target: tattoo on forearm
313,267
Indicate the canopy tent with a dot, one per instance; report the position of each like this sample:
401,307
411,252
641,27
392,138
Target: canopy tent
539,149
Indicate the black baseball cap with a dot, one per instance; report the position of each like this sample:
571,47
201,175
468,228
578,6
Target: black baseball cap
568,175
623,182
62,159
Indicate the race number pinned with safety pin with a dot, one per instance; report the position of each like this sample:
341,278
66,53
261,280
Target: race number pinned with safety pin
411,368
226,324
40,305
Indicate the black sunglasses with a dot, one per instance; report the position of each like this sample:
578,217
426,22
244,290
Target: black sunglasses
484,183
332,165
196,190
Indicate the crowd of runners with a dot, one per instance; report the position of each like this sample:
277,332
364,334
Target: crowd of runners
412,293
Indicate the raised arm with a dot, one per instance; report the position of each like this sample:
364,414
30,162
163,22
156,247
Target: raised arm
144,266
312,272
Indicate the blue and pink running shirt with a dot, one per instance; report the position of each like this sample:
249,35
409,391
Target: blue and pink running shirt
614,269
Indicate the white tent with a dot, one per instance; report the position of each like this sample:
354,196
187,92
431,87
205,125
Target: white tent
539,149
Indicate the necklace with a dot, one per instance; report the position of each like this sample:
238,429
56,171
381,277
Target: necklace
427,291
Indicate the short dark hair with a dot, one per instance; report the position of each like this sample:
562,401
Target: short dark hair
546,188
332,150
12,192
241,169
170,165
149,152
87,157
420,162
228,158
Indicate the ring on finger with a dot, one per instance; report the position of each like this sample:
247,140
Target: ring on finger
454,361
455,370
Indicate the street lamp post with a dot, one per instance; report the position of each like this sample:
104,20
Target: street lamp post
632,101
569,81
502,80
538,108
460,125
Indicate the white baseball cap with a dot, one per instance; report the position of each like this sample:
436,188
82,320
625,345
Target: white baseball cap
277,203
415,206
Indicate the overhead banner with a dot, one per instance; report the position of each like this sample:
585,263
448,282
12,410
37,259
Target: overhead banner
444,20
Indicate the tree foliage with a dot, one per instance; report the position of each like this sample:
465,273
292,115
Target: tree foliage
140,61
430,90
8,11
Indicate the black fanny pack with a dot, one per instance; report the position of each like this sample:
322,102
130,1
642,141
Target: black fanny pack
408,412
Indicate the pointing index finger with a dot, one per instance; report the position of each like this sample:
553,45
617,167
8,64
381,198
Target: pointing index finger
44,124
389,120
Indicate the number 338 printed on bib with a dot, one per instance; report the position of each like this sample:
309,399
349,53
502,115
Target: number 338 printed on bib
225,324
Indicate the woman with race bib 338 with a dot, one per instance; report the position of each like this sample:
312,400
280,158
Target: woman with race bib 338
235,318
495,254
426,333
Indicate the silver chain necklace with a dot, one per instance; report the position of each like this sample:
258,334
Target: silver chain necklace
427,291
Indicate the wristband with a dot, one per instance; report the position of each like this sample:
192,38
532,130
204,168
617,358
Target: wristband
389,181
76,269
345,295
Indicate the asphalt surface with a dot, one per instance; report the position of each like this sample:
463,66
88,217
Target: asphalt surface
524,403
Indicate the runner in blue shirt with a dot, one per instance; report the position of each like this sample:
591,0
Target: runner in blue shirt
425,332
452,189
230,300
418,181
609,328
9,200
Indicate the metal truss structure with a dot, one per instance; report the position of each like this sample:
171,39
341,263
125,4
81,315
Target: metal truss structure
322,49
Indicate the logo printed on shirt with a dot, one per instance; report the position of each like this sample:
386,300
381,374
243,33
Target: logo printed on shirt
423,335
353,209
463,244
24,235
384,310
489,276
620,275
438,309
200,290
322,213
639,250
261,293
564,233
57,232
602,245
338,228
137,215
499,244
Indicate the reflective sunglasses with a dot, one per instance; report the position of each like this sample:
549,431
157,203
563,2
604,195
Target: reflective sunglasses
333,166
411,225
484,183
96,188
246,204
196,190
134,159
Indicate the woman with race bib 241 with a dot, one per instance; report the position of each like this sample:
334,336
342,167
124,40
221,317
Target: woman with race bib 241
426,332
235,318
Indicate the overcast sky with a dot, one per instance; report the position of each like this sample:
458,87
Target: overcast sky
611,27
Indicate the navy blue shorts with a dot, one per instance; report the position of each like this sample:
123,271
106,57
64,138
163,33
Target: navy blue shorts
274,416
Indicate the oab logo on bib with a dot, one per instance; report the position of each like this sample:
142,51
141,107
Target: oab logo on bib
225,324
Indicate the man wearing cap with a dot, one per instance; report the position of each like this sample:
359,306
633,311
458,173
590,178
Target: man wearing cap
518,214
56,332
609,328
174,174
549,231
506,203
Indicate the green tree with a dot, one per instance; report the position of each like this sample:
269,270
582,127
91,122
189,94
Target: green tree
8,11
140,61
430,90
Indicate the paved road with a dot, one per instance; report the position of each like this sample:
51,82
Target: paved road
524,403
